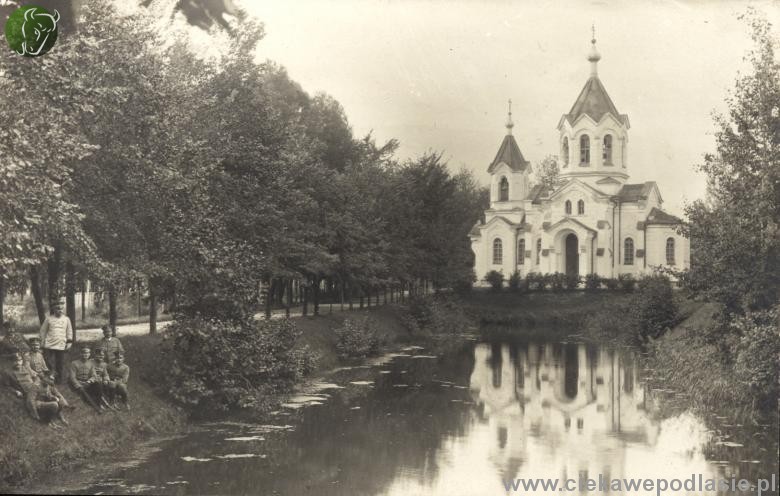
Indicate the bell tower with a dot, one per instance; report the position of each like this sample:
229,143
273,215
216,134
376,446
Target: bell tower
508,172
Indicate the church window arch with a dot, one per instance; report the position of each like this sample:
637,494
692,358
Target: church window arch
606,153
503,189
581,207
584,150
538,251
521,252
565,152
567,207
628,252
670,251
497,252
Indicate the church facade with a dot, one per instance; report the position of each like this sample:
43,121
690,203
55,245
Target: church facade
593,220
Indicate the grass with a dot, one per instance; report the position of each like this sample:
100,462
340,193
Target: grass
28,447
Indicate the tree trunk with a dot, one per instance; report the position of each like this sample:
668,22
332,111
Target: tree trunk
368,294
83,301
2,297
341,294
70,295
269,291
152,306
138,298
316,289
349,293
35,288
305,307
112,317
55,267
289,302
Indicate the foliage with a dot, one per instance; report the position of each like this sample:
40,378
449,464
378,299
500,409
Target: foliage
434,314
535,281
610,283
592,282
653,306
557,281
515,281
495,279
221,365
357,339
547,171
572,281
626,282
735,236
757,364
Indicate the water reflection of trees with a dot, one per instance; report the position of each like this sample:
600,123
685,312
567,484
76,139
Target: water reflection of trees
572,404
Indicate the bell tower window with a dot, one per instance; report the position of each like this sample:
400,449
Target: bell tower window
503,190
584,150
607,150
565,152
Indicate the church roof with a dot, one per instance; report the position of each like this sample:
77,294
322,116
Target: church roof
635,192
658,216
509,153
475,230
538,192
594,102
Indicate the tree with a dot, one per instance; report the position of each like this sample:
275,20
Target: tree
547,171
735,237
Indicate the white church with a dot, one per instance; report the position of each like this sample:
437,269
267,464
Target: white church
593,221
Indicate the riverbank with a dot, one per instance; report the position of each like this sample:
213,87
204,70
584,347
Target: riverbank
28,448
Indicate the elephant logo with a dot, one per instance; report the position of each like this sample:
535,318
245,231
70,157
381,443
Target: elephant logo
31,31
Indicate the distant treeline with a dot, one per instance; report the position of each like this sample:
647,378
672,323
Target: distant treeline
131,162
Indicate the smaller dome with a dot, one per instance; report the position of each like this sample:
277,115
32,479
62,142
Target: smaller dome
594,55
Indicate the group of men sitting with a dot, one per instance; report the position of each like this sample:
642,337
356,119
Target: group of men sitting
99,376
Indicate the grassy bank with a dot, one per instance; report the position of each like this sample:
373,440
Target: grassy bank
28,448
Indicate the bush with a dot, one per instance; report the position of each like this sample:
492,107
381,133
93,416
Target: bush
592,282
757,364
434,314
572,281
557,281
357,339
626,282
534,281
515,281
654,307
221,365
610,283
495,279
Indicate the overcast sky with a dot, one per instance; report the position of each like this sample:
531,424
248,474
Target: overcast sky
438,74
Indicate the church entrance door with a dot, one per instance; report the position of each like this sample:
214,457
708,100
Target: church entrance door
572,255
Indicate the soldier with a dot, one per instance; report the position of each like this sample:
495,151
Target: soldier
119,373
38,365
110,343
56,338
83,379
41,404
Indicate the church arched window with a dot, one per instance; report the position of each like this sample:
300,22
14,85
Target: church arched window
606,153
567,207
670,251
581,207
628,252
521,252
538,251
497,252
503,190
565,152
584,150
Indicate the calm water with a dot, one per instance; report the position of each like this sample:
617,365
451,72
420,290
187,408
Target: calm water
458,424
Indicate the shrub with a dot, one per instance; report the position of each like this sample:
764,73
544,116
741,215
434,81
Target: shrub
495,279
592,282
757,365
515,280
533,281
626,282
556,281
611,283
357,339
434,314
216,364
654,307
572,281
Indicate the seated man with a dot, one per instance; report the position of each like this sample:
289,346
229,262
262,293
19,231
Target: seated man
119,373
83,379
109,343
38,365
40,403
101,373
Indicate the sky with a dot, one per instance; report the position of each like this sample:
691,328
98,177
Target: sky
436,75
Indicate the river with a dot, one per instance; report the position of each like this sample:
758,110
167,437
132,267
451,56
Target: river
462,422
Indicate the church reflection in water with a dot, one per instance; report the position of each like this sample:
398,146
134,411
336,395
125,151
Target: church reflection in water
574,407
